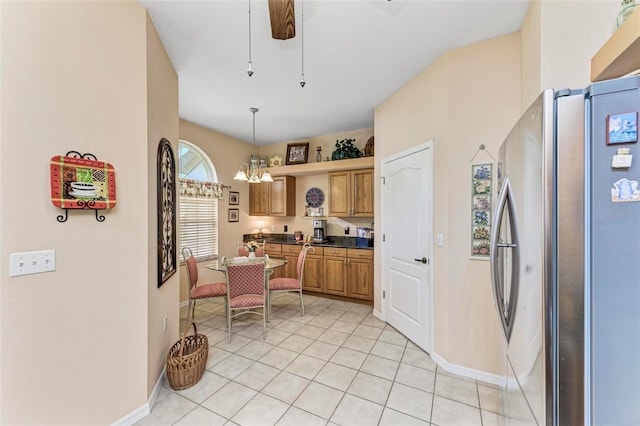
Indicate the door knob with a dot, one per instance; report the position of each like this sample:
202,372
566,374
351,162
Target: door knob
423,260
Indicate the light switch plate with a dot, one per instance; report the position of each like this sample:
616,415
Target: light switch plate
32,262
440,240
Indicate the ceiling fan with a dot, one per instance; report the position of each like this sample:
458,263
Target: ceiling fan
283,19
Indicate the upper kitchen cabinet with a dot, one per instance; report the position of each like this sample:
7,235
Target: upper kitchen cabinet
351,193
277,198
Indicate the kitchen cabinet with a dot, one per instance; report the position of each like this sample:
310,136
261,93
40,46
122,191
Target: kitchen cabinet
331,270
351,193
360,274
274,250
335,271
277,198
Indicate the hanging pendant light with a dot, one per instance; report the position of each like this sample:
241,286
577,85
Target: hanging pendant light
253,168
302,82
250,69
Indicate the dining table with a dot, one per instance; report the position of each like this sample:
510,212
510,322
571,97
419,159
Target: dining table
271,264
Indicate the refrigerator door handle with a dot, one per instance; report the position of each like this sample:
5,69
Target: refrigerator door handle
506,311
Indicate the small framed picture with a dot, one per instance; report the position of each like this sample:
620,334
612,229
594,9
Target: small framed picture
622,128
234,198
263,161
297,153
234,215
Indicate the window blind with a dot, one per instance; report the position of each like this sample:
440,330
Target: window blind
199,226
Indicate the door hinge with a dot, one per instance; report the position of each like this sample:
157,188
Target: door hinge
384,294
384,237
428,261
384,180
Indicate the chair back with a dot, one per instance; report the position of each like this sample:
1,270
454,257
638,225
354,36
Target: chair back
192,267
242,251
301,258
245,277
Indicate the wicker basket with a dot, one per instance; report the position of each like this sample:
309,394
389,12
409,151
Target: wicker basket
187,359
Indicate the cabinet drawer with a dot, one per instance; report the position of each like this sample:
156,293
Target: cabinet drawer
317,251
289,248
332,251
360,254
273,247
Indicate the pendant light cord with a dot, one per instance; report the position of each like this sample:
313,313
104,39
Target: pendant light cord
302,82
250,69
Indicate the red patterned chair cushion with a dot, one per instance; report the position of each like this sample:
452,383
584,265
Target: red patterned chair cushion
247,301
284,284
209,290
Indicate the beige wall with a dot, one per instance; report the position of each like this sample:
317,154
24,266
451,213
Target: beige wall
76,342
162,104
468,97
559,39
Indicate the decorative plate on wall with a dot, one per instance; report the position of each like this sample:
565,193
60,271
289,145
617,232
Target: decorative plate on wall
315,197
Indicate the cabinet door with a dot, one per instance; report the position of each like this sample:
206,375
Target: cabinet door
360,278
313,274
258,199
274,250
335,275
339,194
282,197
362,193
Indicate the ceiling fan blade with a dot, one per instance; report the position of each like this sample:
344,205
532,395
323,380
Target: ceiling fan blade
283,19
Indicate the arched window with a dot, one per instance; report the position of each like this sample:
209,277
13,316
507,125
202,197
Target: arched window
198,227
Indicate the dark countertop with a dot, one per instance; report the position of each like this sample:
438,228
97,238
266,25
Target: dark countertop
332,241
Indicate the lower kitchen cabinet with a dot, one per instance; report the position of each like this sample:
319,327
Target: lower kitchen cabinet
313,275
274,250
360,274
331,270
335,271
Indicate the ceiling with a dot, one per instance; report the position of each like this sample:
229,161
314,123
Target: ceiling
356,54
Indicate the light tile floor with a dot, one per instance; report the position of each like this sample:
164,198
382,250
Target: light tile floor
336,365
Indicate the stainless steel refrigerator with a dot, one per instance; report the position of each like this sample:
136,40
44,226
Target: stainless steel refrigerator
565,258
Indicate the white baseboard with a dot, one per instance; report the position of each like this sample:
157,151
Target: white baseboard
470,373
378,315
141,412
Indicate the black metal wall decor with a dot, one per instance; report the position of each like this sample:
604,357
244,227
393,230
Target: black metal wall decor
166,212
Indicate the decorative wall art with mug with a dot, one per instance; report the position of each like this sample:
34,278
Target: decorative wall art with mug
80,181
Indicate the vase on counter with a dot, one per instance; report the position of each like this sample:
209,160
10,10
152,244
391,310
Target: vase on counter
628,7
319,154
252,255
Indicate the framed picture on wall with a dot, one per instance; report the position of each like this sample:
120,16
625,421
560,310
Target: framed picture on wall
234,215
234,198
297,153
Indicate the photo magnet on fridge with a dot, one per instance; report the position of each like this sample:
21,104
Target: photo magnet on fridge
622,128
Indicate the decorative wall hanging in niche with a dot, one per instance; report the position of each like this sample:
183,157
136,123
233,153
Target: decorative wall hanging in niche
481,204
80,181
166,212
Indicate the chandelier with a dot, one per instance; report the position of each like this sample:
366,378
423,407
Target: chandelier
253,168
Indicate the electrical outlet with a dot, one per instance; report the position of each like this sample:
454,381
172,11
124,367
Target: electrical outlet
286,228
346,230
202,272
273,228
164,324
32,262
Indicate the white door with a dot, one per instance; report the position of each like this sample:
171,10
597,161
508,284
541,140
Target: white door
407,222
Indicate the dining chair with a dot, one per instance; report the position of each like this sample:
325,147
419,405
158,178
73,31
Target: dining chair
282,285
203,291
242,251
246,282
